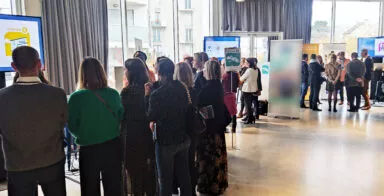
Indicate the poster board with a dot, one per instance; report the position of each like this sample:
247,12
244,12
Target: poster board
232,59
285,78
311,49
215,46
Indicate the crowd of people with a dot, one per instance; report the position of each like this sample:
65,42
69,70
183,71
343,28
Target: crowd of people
338,73
141,141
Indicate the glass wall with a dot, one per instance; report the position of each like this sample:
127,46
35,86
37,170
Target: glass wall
5,7
321,22
354,20
172,28
343,21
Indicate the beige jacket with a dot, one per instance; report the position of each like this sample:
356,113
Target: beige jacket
333,71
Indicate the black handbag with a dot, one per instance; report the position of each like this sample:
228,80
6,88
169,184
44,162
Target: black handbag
195,122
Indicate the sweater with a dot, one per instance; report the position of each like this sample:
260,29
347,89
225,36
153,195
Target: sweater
90,120
32,123
355,69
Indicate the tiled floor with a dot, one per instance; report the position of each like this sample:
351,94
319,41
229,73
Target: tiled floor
332,154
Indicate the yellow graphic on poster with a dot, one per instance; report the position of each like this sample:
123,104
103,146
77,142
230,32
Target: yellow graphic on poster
15,37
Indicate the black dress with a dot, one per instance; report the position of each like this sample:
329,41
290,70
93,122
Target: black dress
139,151
212,160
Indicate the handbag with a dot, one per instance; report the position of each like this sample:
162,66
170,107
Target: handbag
195,122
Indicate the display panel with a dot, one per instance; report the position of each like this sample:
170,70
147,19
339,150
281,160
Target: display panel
214,46
18,31
367,43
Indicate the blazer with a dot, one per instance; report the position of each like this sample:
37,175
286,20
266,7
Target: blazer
304,72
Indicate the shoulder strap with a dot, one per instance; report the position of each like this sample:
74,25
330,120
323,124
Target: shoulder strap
105,103
188,93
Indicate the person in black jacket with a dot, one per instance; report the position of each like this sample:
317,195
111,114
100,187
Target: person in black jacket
211,150
139,156
367,60
184,74
200,81
304,80
315,70
167,113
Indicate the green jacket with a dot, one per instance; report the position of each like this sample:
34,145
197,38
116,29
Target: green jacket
90,120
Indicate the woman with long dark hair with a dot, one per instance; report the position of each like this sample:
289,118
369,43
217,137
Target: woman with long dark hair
251,88
95,113
139,153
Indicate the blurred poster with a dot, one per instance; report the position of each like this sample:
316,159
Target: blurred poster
138,44
284,78
264,68
232,59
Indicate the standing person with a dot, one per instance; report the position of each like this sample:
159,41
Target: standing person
167,113
189,60
141,55
183,73
251,81
200,81
304,80
32,129
211,150
139,148
332,71
315,70
343,63
231,81
244,67
95,113
355,82
367,60
321,62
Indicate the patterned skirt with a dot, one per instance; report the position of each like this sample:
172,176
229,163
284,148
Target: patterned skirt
212,164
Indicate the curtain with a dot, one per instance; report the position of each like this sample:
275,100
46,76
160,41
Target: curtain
72,30
293,17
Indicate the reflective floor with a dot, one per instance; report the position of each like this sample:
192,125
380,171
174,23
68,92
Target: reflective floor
322,154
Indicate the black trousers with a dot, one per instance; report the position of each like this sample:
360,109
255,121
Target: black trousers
315,90
103,159
342,91
51,179
355,94
250,99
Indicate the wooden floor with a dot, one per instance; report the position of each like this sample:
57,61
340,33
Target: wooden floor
322,154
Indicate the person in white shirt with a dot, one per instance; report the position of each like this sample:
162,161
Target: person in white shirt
252,88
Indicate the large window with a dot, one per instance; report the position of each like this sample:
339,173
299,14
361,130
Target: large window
5,7
354,20
343,21
172,28
321,22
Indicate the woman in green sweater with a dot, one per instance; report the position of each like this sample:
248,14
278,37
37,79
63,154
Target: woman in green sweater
95,113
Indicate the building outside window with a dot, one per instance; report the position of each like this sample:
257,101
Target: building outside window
156,35
188,4
131,17
188,35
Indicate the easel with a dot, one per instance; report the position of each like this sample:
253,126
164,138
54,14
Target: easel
233,147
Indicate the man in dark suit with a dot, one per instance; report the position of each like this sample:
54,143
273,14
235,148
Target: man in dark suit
304,80
315,70
367,60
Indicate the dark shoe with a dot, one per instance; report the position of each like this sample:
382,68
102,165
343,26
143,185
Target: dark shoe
352,110
329,109
317,110
303,106
245,119
334,109
250,122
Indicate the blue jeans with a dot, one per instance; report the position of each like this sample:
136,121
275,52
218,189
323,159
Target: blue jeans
304,90
173,158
